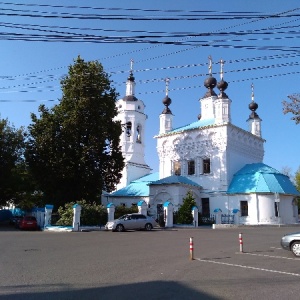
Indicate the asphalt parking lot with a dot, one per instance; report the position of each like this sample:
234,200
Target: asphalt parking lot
148,265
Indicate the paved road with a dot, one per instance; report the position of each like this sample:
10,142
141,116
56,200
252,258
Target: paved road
148,265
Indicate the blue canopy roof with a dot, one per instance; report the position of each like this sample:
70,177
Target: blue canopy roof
174,179
194,125
260,178
137,187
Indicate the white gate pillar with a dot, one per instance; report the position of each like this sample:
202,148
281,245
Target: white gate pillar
168,214
237,214
195,216
111,212
48,213
76,216
142,207
218,214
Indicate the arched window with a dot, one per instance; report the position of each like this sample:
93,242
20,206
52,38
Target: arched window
128,128
138,134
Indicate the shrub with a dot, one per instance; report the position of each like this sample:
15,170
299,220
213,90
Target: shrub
91,214
184,214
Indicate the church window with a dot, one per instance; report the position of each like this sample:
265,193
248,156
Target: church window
205,207
276,209
206,166
128,129
244,208
138,134
191,167
177,168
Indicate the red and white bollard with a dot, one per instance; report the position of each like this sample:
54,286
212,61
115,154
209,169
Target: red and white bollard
241,242
191,249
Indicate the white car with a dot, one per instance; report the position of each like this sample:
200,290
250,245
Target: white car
291,242
131,221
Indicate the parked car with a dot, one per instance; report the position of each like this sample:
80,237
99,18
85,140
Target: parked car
29,223
15,220
291,242
131,221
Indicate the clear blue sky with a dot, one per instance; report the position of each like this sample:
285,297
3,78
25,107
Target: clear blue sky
259,41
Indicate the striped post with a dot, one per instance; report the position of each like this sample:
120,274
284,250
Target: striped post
241,242
191,249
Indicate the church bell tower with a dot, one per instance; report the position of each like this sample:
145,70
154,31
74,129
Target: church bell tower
132,141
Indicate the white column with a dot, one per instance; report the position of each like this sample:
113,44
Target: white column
111,212
195,215
48,213
218,213
142,207
168,212
76,217
237,214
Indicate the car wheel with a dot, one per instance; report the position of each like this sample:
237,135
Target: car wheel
120,228
296,248
148,227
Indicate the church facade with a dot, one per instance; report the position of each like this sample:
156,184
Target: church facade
220,163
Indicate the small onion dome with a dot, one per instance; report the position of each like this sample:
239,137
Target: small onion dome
210,83
130,98
199,117
253,107
130,77
222,86
167,101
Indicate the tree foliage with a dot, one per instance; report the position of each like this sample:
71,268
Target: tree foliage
92,214
122,210
11,161
184,215
73,148
292,106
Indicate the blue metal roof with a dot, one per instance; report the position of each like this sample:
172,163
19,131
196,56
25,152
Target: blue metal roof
260,178
137,187
174,179
194,125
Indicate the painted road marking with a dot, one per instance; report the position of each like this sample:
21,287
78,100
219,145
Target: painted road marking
273,256
247,267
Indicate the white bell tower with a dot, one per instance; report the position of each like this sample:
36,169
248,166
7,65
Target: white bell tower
132,141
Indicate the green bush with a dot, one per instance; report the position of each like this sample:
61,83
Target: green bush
184,214
91,214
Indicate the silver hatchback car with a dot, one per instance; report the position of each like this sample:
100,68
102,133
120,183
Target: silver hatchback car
131,221
291,242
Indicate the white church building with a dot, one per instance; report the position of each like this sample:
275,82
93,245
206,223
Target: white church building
220,163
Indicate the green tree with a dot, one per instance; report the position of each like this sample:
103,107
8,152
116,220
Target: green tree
184,214
73,149
11,161
297,179
293,107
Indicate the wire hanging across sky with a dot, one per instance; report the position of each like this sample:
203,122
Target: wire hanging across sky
223,38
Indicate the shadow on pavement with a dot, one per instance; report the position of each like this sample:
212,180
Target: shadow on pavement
145,291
